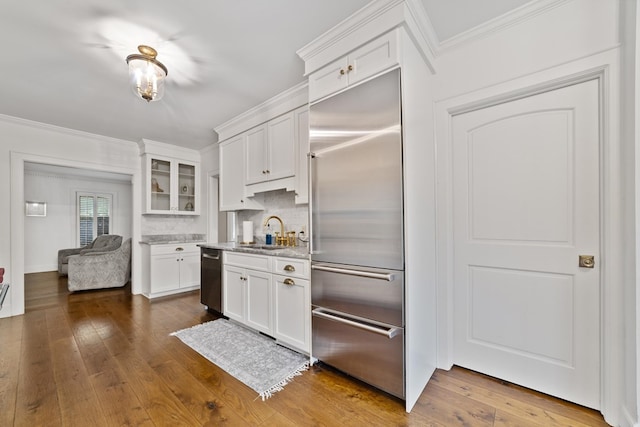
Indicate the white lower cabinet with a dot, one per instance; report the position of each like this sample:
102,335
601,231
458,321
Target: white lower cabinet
259,304
233,293
291,311
270,295
170,269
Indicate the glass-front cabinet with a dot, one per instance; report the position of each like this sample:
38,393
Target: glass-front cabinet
172,186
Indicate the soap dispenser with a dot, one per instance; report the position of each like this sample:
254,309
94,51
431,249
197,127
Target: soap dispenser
268,238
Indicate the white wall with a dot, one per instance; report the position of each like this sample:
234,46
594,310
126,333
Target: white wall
564,39
44,236
24,141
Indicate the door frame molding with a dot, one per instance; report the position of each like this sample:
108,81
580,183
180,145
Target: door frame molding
603,67
16,204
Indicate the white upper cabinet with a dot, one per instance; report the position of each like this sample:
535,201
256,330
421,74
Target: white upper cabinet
257,167
171,179
172,186
366,61
281,147
232,176
272,144
271,150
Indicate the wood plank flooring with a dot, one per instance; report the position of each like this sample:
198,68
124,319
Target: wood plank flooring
105,358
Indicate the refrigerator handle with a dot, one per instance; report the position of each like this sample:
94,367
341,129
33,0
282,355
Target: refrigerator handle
310,157
387,332
389,277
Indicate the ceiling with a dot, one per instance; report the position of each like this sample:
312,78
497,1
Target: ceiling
63,62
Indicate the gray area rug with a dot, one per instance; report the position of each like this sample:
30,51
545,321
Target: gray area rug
250,357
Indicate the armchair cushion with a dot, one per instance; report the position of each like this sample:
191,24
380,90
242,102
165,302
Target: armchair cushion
104,243
100,270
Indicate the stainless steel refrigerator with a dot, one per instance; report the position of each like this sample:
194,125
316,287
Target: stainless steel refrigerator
357,247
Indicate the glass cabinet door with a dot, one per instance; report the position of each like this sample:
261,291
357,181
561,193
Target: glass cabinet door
186,187
160,185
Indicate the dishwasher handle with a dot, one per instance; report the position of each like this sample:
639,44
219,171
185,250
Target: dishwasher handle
217,257
387,332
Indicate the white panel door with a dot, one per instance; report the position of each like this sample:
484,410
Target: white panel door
256,162
526,206
281,147
189,270
165,273
233,294
259,300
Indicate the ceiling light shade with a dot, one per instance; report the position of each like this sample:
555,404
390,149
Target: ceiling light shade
146,74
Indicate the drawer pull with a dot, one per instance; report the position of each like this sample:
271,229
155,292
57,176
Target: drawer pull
289,282
179,249
390,332
289,267
382,276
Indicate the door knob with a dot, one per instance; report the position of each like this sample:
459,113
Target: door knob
586,261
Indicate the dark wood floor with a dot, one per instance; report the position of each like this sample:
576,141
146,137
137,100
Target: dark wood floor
105,358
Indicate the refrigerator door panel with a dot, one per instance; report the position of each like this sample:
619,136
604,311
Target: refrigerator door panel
356,176
369,293
368,352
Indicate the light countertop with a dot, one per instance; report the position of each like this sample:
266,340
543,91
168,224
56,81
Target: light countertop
162,239
283,251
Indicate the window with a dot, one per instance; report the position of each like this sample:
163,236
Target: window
94,216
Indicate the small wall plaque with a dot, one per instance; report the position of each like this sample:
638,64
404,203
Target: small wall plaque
36,208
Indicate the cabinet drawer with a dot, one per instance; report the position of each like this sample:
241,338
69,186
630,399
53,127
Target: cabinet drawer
292,267
172,248
255,262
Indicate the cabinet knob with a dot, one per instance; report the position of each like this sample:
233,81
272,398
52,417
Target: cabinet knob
289,267
263,172
268,171
349,68
289,282
342,71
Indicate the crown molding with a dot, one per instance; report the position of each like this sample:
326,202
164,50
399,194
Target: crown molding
282,103
148,146
68,131
367,14
514,17
373,20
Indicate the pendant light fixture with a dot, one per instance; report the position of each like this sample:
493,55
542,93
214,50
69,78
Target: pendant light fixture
147,74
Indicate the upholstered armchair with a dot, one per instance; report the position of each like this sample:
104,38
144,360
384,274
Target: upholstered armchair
98,270
104,243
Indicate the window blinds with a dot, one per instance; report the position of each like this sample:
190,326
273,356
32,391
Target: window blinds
94,216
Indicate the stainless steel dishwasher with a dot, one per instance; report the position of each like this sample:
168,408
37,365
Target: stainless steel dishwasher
211,278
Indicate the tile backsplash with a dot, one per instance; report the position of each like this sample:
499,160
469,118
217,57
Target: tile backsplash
280,203
165,224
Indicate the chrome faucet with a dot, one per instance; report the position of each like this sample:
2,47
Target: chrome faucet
280,239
